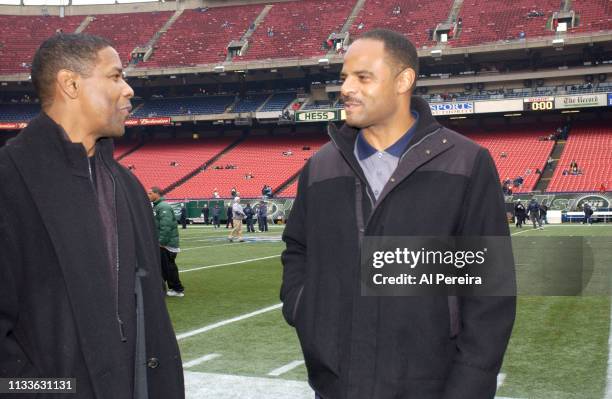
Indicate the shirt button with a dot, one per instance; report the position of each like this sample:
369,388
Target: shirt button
392,180
376,192
152,363
380,155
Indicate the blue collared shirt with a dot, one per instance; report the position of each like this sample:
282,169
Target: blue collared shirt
378,166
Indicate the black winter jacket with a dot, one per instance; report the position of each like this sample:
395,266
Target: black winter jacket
358,347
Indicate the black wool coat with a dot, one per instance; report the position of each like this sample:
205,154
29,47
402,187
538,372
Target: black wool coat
67,292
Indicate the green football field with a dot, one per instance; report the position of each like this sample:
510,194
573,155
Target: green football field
235,343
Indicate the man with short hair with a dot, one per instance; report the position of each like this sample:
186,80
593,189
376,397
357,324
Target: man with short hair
588,213
216,216
262,216
533,210
230,215
237,215
519,214
206,213
79,271
167,226
391,152
248,213
183,217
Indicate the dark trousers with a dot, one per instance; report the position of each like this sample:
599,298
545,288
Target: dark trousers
216,221
263,223
230,221
170,272
249,224
184,223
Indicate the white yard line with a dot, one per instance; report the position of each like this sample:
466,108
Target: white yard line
210,246
200,360
286,368
228,264
226,322
522,231
224,386
608,393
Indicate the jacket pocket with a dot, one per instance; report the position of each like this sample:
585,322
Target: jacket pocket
297,304
316,318
454,315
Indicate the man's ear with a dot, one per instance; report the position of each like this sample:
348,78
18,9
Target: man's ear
406,80
68,82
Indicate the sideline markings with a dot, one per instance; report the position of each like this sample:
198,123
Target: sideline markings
225,386
228,264
608,392
501,377
226,322
287,367
201,360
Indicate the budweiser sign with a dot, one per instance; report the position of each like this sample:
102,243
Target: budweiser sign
12,126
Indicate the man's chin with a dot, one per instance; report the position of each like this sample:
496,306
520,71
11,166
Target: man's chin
116,132
357,123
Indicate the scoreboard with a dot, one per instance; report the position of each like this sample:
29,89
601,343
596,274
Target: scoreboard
538,104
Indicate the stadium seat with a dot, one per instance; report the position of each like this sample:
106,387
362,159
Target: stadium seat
300,28
128,31
524,152
414,20
20,36
260,156
591,147
184,106
163,162
201,37
18,112
486,21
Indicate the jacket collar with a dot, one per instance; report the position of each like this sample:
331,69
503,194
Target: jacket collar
345,137
46,131
423,146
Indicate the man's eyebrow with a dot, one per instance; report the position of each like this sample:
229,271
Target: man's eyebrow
362,72
117,69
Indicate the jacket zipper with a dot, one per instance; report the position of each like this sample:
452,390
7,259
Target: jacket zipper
401,158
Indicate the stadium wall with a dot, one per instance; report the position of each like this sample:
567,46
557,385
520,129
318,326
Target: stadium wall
280,208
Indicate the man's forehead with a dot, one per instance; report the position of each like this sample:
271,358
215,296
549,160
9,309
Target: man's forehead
364,54
108,59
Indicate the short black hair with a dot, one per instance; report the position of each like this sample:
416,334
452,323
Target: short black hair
76,52
155,190
399,48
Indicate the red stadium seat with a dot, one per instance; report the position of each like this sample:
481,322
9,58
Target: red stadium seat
260,156
591,147
524,152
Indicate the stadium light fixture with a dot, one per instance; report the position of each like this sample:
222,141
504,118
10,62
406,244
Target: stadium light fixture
324,61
